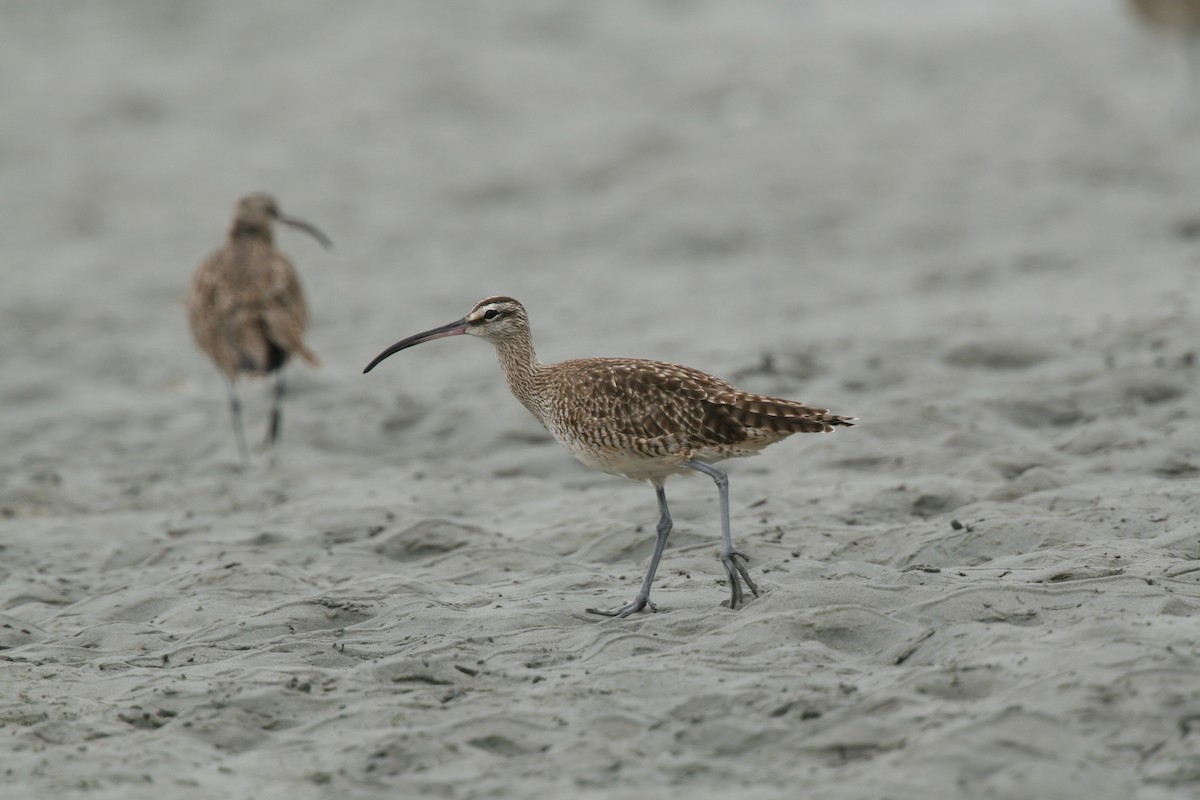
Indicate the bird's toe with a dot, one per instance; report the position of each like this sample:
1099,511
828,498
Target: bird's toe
624,611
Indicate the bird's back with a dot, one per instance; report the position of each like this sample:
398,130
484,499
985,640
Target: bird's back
644,418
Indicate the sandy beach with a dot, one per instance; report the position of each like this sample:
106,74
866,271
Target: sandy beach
972,224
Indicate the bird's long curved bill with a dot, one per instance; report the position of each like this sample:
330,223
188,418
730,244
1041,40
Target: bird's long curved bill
456,328
308,228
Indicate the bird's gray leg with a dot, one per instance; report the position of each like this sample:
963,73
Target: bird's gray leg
235,410
276,409
643,596
729,554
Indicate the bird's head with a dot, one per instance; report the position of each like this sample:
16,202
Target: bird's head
496,319
254,213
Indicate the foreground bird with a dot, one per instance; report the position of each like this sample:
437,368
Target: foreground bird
246,308
641,419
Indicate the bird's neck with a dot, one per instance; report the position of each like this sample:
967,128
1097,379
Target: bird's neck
250,231
520,365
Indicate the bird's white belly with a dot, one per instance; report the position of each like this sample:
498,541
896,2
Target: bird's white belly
617,460
639,468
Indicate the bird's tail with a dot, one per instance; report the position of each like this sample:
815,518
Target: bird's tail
784,416
308,355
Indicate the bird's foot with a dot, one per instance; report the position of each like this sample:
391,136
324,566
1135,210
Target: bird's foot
632,607
735,568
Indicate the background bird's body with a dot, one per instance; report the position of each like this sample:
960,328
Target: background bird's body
642,419
246,307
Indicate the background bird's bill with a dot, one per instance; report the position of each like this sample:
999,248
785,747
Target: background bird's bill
308,228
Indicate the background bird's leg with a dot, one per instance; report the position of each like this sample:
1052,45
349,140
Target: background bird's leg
729,554
643,596
276,408
235,411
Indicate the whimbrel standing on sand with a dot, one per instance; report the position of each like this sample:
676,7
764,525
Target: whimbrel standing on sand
641,419
246,307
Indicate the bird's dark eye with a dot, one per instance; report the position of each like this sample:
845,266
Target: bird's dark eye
491,313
